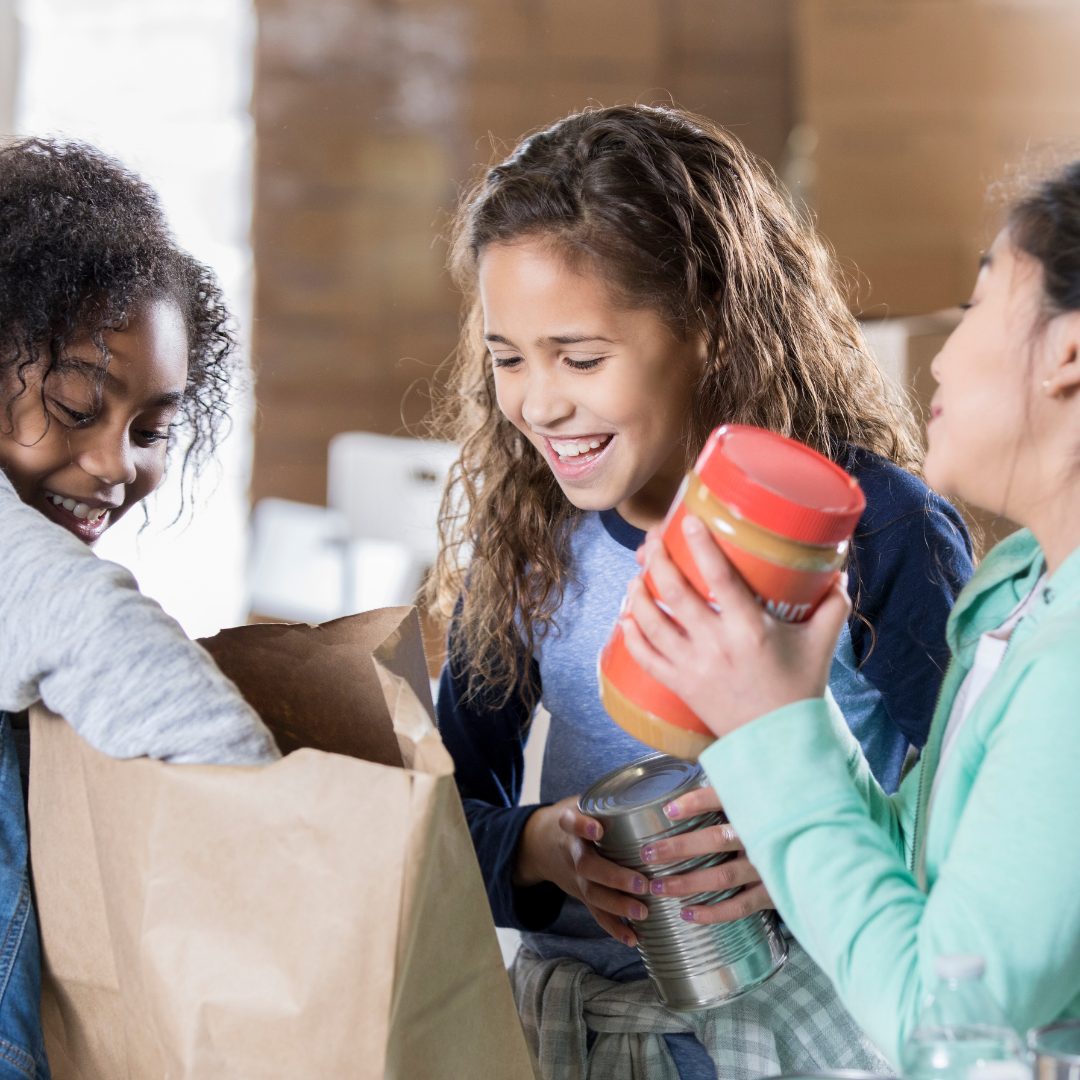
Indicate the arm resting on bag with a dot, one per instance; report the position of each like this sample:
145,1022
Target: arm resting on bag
76,632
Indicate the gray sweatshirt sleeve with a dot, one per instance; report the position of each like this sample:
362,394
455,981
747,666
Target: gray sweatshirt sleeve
76,633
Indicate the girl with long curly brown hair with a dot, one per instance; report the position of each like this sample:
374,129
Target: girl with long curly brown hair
634,278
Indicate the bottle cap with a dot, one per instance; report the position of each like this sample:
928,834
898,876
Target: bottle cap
1009,1069
960,966
780,484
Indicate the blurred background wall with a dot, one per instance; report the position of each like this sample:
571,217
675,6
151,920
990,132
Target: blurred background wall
164,85
370,115
888,119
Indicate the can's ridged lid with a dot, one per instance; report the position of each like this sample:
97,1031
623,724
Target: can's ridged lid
649,781
1060,1041
780,484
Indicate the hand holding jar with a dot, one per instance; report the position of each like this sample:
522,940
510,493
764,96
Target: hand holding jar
731,665
730,618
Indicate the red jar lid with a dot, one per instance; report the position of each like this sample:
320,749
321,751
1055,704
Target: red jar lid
780,484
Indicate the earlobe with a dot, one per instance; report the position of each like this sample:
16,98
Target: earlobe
1064,377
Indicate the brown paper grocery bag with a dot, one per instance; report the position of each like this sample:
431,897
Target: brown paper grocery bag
321,917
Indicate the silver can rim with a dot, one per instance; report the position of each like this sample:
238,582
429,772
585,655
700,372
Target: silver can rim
1036,1035
624,811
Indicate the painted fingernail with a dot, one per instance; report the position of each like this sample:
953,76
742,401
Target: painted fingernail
626,939
638,885
638,911
658,888
688,914
593,830
648,853
672,810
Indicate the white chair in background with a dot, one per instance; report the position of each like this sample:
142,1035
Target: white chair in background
369,548
389,491
296,569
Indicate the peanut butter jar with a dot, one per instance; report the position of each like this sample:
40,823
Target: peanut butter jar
783,515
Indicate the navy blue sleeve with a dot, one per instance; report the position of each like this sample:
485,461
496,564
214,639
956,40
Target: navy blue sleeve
911,555
486,742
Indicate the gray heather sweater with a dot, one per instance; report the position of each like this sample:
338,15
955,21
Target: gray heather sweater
76,633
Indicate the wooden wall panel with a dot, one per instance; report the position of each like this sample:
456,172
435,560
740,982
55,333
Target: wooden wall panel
370,114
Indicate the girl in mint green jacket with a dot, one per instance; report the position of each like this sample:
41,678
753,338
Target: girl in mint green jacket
979,851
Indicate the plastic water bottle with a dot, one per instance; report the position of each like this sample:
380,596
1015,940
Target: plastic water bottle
962,1034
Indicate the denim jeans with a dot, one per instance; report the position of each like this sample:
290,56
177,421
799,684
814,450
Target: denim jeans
22,1046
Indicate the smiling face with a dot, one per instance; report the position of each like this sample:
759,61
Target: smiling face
603,393
84,458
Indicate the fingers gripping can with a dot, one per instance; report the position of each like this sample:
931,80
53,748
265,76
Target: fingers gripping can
692,966
783,515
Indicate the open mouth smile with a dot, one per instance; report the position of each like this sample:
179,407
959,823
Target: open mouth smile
574,458
85,521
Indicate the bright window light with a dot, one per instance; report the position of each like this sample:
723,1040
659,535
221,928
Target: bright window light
164,85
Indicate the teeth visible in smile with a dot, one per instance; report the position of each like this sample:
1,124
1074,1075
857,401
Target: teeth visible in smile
80,510
576,447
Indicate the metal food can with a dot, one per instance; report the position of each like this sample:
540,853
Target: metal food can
1056,1050
691,966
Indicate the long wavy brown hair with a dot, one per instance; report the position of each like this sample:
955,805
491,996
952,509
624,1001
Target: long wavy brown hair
678,217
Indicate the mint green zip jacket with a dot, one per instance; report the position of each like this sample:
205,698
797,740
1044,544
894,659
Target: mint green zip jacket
872,887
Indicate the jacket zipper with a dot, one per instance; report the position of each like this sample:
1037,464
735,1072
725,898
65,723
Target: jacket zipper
922,780
922,774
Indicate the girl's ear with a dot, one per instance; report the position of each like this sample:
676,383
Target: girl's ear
1061,373
702,353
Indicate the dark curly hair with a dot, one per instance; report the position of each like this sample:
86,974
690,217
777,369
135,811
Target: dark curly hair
83,245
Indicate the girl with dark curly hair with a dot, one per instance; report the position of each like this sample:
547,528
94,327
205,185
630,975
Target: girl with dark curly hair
114,347
635,279
113,341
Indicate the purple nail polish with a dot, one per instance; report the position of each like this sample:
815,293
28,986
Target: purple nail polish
638,911
658,888
638,885
626,939
593,830
672,810
648,853
688,915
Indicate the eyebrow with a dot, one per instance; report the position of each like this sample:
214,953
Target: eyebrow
561,339
93,371
986,260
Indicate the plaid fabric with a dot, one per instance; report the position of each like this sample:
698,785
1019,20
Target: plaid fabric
793,1023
